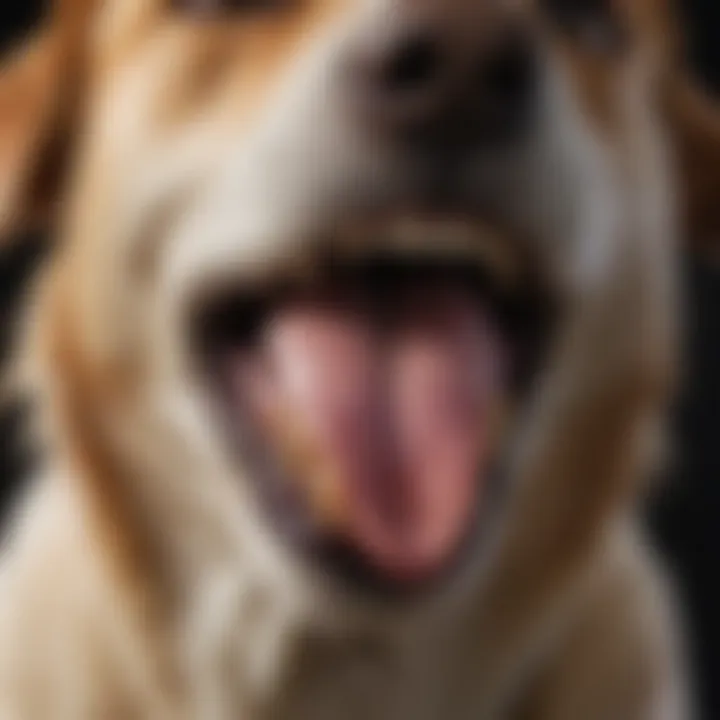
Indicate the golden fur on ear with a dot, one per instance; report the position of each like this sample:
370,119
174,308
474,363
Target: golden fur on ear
694,119
28,106
40,86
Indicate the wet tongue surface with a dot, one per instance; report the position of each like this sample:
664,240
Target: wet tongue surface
397,417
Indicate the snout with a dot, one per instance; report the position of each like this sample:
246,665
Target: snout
361,317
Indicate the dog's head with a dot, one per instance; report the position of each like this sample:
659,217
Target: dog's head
312,254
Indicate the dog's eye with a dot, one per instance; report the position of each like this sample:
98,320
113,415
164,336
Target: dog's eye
213,8
594,23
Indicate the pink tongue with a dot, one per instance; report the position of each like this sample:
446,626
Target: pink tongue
403,416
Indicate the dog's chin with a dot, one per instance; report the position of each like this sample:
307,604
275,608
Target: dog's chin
369,400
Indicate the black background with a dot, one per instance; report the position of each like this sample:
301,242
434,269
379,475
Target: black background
686,516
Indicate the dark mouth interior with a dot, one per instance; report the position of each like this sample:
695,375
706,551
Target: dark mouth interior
237,317
388,300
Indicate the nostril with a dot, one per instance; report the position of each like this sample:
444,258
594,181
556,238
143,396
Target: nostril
413,65
508,76
439,93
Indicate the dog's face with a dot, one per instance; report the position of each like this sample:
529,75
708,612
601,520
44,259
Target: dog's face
312,252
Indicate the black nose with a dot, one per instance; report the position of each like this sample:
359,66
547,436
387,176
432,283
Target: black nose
422,86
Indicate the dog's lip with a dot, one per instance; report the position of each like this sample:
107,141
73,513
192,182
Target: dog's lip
406,234
413,234
403,239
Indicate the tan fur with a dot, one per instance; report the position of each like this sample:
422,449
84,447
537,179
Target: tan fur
696,124
140,580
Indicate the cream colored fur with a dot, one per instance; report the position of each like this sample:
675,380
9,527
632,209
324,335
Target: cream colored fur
140,580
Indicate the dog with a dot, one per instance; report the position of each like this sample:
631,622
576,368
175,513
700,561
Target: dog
350,358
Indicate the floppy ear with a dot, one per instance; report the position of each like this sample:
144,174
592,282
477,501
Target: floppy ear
694,118
39,87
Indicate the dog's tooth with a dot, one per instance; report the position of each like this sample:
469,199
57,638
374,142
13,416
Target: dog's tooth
326,496
295,451
304,464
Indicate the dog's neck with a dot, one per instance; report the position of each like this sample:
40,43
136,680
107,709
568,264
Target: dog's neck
259,653
265,652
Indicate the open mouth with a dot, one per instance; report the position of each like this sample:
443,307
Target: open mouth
370,404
